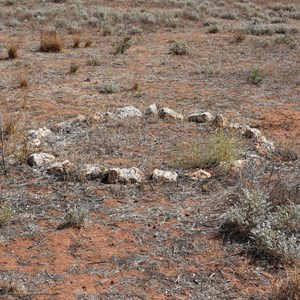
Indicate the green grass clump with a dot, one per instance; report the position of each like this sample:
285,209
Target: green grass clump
256,76
222,148
110,88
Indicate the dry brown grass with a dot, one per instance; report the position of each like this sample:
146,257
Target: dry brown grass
12,50
76,40
288,289
51,41
23,80
88,42
10,125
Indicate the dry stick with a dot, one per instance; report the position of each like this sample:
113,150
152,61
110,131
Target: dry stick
2,143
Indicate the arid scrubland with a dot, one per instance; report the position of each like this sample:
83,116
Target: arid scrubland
149,149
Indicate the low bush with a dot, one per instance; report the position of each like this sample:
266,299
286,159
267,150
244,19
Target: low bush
122,46
179,49
272,230
75,217
256,76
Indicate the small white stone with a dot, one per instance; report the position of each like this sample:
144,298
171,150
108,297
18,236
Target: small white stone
132,175
40,159
129,111
151,110
201,117
252,133
167,113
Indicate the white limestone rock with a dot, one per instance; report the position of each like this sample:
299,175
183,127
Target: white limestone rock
129,111
164,176
167,113
252,133
40,159
151,110
132,175
95,171
200,117
220,121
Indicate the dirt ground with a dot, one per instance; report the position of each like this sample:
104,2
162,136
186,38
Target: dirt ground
150,240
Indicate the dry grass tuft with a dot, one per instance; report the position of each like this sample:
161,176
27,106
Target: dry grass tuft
12,50
50,41
23,81
76,40
289,289
10,125
73,67
88,42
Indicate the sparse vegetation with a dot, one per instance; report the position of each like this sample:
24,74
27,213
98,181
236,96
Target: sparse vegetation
6,211
239,36
161,233
23,81
76,40
76,217
256,76
50,41
122,46
213,29
94,60
12,50
73,67
110,88
274,231
287,288
178,49
288,40
222,148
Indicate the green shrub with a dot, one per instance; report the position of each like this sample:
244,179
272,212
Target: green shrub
6,211
256,76
110,88
275,243
222,148
250,210
75,217
272,230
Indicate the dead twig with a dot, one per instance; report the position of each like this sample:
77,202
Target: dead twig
2,144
